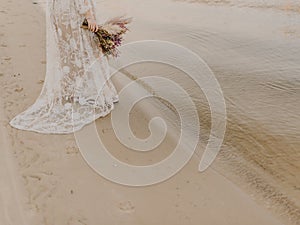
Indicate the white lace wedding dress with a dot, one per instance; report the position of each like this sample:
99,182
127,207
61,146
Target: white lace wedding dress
76,90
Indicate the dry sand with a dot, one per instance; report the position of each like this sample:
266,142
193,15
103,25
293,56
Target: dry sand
253,50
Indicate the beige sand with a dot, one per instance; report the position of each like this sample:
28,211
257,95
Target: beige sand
253,52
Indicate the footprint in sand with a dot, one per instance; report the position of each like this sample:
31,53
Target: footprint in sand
71,147
19,89
7,58
72,150
78,220
126,207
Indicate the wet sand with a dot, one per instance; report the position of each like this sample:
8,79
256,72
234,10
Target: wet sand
252,51
252,48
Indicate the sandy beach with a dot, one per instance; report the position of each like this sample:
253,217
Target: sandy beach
252,47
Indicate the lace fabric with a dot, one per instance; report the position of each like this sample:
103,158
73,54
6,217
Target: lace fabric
76,90
84,6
